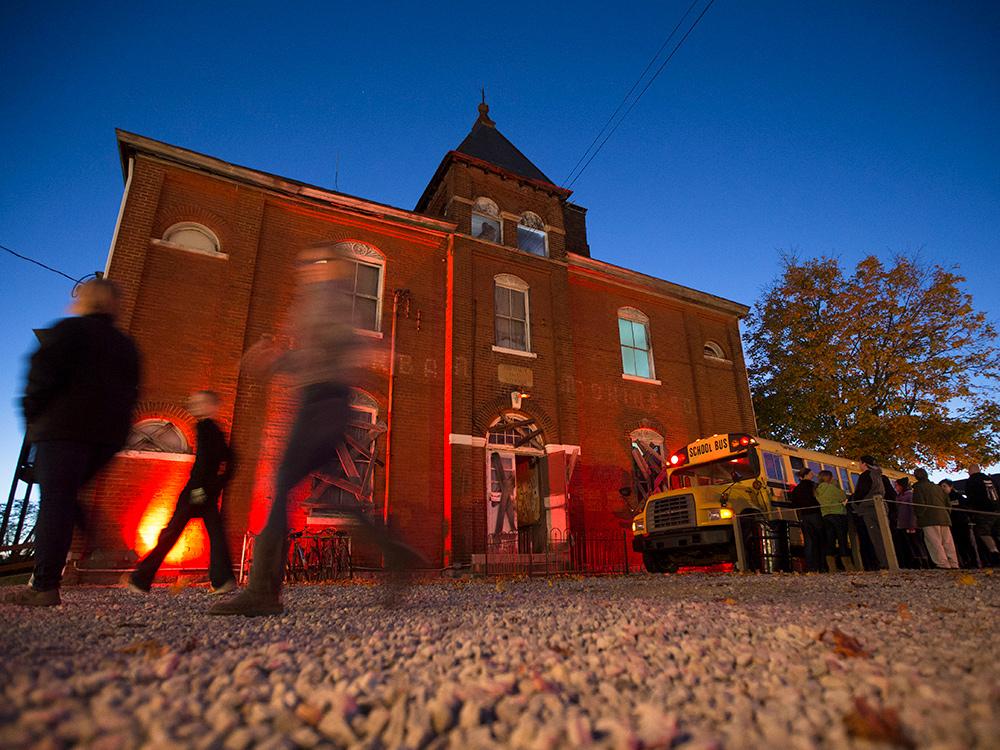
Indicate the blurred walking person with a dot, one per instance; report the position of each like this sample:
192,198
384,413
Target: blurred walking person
213,465
931,506
326,362
82,386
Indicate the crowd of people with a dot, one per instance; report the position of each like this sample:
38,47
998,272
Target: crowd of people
929,525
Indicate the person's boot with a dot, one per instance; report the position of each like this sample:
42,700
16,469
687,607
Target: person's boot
831,563
26,596
262,595
848,564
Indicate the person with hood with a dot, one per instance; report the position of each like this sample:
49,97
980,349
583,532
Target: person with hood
982,497
803,499
932,508
870,484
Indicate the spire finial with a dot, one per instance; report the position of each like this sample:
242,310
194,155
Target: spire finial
484,111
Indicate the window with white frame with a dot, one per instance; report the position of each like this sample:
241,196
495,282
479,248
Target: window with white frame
486,221
189,235
369,267
513,330
713,351
633,332
531,234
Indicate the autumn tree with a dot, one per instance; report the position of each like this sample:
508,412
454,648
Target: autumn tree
892,361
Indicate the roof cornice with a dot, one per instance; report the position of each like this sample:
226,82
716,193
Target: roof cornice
650,284
130,144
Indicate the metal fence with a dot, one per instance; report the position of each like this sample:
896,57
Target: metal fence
594,552
313,556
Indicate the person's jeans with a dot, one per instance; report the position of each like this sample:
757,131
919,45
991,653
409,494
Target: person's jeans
835,534
319,427
812,532
220,565
62,467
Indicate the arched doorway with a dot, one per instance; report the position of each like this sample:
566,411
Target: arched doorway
517,485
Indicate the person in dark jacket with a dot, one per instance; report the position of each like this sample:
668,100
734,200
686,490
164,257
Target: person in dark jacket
933,510
803,500
906,522
213,465
982,497
870,484
962,527
82,386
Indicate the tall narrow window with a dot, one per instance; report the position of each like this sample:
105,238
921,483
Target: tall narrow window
633,331
369,265
486,221
512,316
531,234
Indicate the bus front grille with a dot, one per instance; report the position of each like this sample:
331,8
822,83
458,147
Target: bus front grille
672,512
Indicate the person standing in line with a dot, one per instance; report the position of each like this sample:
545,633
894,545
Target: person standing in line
982,497
83,384
325,363
803,499
931,507
963,531
870,484
906,522
833,505
213,465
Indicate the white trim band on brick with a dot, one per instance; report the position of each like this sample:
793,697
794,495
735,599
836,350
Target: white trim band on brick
475,442
555,448
187,458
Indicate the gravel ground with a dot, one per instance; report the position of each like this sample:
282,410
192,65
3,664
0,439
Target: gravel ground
906,660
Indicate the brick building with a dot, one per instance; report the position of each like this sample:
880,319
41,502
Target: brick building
515,352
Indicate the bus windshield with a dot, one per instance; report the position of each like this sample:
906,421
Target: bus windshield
721,471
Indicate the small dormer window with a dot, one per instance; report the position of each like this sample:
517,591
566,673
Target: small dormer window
486,221
190,236
531,234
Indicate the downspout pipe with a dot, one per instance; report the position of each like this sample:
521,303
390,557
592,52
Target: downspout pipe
397,295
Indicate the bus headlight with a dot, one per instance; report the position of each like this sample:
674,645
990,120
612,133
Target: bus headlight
720,514
639,526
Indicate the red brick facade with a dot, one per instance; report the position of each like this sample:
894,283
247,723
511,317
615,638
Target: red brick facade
193,315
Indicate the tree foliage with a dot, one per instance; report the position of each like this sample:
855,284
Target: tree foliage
892,361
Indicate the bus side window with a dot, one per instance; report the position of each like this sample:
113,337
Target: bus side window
845,483
815,467
797,464
854,478
773,468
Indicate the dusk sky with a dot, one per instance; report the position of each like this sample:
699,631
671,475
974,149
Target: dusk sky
842,127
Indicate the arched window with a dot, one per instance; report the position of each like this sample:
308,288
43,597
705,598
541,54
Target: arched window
157,436
369,272
512,314
486,223
637,352
531,234
713,351
187,235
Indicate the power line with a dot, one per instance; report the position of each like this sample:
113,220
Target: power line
672,52
625,99
47,268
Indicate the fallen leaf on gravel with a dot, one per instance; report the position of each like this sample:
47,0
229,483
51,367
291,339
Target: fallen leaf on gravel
859,605
153,648
725,601
310,713
845,645
190,645
877,724
904,612
966,580
127,624
988,572
946,609
562,651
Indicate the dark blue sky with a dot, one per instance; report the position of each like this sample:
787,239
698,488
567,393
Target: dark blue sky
846,128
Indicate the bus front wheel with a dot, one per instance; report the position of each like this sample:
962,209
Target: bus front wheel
657,561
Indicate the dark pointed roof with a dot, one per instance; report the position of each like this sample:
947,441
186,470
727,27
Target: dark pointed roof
486,143
485,147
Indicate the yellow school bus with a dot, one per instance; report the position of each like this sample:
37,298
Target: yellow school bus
689,522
